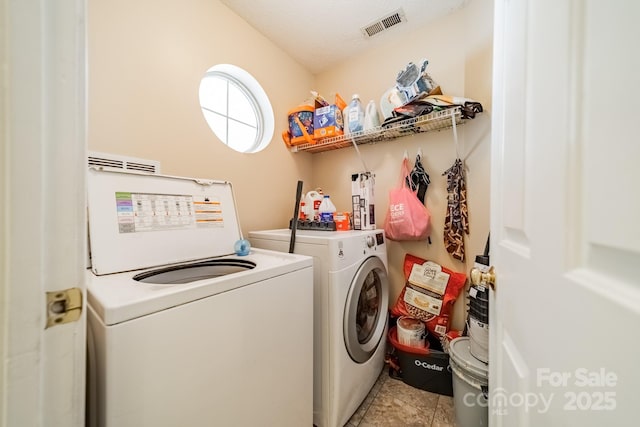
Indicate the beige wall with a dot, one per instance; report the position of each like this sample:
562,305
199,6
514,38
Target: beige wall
146,59
458,48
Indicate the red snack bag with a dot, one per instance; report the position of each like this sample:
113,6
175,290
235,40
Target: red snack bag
429,293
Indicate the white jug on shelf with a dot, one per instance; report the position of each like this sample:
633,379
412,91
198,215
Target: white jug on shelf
371,118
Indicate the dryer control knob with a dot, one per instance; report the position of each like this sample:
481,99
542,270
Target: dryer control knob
371,242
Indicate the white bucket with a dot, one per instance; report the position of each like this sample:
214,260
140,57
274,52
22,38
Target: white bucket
411,332
479,336
470,375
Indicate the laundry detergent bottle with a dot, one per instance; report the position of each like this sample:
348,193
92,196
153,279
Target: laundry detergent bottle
345,119
327,209
312,202
356,115
371,119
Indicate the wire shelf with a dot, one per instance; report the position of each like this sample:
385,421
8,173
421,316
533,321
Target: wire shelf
436,121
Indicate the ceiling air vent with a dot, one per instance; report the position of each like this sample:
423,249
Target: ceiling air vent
384,23
122,162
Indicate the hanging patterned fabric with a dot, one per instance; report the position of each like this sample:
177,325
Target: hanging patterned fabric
419,179
457,219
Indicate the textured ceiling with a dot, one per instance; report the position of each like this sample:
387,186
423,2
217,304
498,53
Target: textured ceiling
319,34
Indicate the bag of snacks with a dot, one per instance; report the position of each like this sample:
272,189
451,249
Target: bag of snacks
429,293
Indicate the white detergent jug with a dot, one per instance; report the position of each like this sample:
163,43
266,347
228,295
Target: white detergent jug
371,119
345,119
312,202
327,209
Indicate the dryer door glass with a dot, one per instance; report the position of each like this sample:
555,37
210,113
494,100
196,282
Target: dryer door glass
365,311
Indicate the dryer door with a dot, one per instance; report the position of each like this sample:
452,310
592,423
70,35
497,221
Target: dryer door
365,316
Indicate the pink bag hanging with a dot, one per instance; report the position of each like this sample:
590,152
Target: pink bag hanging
407,218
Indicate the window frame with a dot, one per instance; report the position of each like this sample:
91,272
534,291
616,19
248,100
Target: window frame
255,95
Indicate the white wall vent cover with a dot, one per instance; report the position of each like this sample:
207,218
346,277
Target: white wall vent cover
123,162
384,23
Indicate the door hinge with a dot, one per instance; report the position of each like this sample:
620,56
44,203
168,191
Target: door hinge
63,306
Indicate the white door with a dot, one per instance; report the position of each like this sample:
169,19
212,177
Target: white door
42,191
564,214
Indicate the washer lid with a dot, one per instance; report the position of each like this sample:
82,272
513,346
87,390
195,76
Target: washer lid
139,220
460,353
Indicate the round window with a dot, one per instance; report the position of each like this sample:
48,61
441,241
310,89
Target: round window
236,108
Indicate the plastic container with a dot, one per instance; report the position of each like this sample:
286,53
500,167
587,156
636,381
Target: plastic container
424,368
478,322
302,211
301,124
345,119
355,118
312,202
393,339
411,332
479,303
371,118
242,247
470,381
479,339
327,209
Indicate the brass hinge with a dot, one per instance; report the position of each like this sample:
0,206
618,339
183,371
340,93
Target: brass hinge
63,306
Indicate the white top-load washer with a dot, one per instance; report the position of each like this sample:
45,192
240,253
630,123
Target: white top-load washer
181,331
351,298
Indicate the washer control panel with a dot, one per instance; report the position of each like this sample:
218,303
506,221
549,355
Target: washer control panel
374,240
370,241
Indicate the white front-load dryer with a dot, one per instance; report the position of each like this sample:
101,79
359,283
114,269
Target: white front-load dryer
351,298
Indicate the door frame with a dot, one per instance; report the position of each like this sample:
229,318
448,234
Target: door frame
42,189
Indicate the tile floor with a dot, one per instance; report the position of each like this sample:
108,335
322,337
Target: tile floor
392,403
